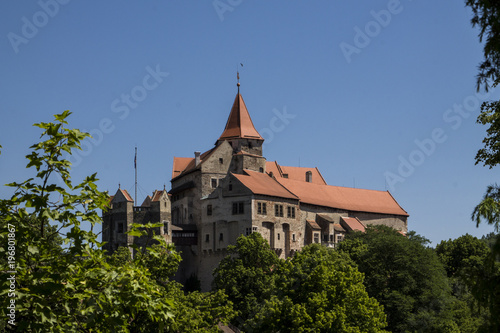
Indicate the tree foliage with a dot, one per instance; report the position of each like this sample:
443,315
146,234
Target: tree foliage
69,288
486,16
464,260
246,275
319,290
405,276
198,312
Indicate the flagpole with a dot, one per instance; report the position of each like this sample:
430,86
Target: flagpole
135,167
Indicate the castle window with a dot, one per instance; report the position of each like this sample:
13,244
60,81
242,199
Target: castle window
238,208
278,235
214,182
316,237
120,228
248,231
285,175
221,160
331,238
278,210
262,208
230,187
249,145
209,210
254,229
291,212
221,237
309,176
207,238
293,238
261,170
165,227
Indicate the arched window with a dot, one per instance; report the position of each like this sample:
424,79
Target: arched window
309,176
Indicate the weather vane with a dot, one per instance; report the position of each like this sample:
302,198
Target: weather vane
238,76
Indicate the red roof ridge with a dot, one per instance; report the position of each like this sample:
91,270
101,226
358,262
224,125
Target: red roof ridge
247,154
246,170
324,181
352,199
268,186
397,203
157,195
126,195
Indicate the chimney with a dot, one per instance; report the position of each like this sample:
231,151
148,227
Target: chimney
196,158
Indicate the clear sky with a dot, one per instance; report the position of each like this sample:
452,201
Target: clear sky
377,95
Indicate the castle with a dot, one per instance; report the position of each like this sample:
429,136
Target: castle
232,190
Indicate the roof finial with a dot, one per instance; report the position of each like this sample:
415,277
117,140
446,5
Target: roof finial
238,77
119,185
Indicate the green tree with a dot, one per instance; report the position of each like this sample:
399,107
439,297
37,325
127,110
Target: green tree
319,290
156,256
198,312
460,254
70,288
464,260
120,257
486,16
405,276
246,275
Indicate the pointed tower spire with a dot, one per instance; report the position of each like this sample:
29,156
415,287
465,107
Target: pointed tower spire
239,124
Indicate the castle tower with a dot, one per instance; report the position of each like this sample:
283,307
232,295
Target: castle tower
241,134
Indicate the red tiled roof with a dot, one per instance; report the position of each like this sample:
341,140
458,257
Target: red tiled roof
239,124
353,199
157,195
273,168
353,223
313,224
185,164
337,227
180,164
260,183
127,196
295,173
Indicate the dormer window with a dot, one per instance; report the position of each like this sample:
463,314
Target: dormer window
309,176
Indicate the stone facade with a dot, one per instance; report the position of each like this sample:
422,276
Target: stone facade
228,191
122,213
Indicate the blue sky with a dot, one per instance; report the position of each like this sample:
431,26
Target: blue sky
378,95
